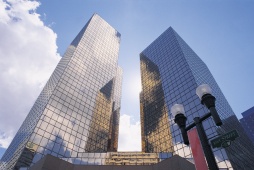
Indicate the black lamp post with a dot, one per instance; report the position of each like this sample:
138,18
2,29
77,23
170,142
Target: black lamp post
204,93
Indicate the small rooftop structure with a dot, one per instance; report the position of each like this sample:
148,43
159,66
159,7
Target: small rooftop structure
50,162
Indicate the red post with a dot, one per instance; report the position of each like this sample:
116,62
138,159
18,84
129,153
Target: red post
197,151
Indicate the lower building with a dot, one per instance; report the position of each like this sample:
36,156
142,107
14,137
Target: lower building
248,123
118,161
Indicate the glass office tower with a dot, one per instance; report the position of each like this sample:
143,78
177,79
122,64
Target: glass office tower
170,72
247,123
78,109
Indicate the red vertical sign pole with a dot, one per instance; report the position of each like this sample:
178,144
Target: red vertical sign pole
197,151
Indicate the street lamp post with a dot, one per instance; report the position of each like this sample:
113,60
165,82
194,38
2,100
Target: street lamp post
204,93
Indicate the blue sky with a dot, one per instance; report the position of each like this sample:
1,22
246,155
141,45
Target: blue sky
220,32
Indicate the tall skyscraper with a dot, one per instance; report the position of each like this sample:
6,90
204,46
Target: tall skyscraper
170,72
248,123
78,109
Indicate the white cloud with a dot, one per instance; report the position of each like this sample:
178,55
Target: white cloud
129,134
132,84
5,139
28,56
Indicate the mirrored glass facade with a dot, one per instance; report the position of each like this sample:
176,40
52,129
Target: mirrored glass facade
170,72
78,109
247,123
156,136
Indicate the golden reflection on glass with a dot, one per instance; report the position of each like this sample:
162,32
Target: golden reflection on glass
155,131
99,126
